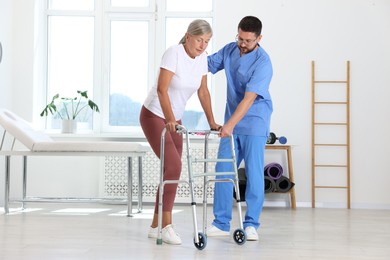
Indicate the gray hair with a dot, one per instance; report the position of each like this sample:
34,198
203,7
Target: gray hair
197,27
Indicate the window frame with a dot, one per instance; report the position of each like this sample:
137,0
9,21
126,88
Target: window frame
105,90
104,14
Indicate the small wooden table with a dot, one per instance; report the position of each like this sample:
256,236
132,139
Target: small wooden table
286,148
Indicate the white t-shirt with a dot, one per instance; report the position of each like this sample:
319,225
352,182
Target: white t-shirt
186,80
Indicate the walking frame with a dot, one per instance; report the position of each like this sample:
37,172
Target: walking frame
200,239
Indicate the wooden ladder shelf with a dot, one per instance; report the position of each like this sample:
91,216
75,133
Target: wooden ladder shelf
337,140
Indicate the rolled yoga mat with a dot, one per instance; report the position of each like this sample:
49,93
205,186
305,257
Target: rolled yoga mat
283,184
273,170
269,184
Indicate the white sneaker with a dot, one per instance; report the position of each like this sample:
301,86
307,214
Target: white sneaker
213,231
169,236
251,234
153,232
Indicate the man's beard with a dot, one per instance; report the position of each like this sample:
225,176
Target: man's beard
245,49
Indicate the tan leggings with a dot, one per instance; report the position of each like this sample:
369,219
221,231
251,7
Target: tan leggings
152,127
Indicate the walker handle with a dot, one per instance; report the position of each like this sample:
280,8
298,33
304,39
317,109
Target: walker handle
180,129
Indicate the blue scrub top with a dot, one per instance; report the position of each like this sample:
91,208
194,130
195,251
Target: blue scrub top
251,72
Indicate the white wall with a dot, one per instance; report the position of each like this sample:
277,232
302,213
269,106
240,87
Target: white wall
329,32
295,32
6,41
5,69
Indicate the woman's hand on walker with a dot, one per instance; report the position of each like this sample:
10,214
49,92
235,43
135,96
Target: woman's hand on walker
171,126
215,127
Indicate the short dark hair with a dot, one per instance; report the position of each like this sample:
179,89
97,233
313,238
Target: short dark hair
251,24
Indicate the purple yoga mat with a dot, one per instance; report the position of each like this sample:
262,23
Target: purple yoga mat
273,170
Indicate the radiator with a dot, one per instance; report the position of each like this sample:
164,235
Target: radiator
115,175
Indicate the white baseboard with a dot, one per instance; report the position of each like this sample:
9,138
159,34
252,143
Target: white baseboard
335,205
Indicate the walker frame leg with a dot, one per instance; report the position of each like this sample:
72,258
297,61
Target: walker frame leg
200,239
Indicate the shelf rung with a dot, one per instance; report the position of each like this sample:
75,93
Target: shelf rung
330,123
331,187
331,145
331,102
330,165
330,81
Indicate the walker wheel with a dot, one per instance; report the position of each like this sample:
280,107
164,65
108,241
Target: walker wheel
202,241
239,236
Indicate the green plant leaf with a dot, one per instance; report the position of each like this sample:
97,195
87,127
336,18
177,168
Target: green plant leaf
69,108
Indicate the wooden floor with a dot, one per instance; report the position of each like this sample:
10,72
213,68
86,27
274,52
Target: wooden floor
102,231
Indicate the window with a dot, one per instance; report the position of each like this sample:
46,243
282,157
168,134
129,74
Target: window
71,4
189,5
113,50
130,3
129,53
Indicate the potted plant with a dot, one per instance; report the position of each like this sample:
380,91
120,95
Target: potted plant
69,109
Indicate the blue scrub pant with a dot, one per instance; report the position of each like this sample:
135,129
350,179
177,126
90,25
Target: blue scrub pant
251,150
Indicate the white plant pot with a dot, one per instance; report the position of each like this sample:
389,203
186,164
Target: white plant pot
69,126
